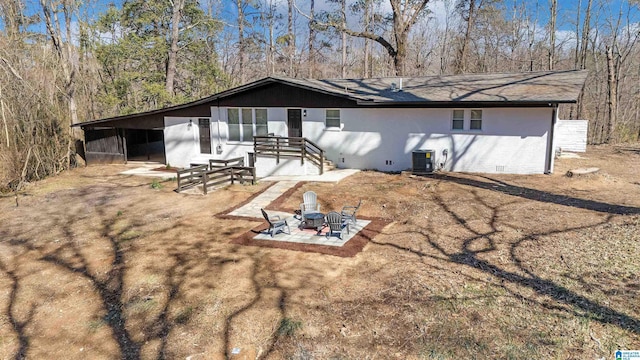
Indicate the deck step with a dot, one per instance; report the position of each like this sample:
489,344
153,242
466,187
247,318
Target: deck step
328,165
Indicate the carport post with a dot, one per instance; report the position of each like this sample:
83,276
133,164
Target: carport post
124,144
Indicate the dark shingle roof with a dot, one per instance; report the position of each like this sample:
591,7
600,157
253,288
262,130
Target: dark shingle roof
548,86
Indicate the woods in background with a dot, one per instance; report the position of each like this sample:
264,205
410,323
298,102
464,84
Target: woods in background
66,61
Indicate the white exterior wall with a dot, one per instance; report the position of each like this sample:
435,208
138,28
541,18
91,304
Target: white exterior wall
180,140
571,135
512,140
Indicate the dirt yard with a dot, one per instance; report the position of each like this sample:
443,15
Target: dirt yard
95,265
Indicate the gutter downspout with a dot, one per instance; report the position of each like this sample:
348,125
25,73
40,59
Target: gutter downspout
549,161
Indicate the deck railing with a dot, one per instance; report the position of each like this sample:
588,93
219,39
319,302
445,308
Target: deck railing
287,147
191,176
217,172
231,174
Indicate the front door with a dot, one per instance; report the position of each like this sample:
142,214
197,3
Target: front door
294,122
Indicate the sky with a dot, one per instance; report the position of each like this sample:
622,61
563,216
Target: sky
538,10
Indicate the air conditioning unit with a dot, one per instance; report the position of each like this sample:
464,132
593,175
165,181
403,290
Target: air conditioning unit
423,161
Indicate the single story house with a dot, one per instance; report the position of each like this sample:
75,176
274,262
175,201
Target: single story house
488,123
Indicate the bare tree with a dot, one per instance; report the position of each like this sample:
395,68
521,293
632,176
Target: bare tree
623,39
64,52
468,9
404,15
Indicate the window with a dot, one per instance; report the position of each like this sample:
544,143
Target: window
262,128
476,120
458,120
332,119
247,125
234,124
244,123
204,128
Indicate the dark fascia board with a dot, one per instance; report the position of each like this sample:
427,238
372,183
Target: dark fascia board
142,114
463,104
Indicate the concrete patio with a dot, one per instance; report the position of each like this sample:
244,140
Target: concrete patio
310,236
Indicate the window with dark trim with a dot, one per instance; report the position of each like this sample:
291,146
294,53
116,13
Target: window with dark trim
204,127
476,120
262,127
233,120
247,125
332,119
458,120
244,123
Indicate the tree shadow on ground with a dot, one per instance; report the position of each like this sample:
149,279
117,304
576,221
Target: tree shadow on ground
18,326
538,195
71,257
69,253
574,303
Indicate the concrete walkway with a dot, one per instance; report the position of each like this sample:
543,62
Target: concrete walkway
252,209
283,184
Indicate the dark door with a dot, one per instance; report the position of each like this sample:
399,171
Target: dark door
294,121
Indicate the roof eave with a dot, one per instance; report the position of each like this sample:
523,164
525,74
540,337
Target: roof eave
146,113
524,103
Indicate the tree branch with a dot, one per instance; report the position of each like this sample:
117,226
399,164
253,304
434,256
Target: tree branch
361,34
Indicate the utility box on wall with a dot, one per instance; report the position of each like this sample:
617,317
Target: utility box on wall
423,161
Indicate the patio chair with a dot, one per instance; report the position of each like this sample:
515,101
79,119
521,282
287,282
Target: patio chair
335,224
349,213
309,204
276,224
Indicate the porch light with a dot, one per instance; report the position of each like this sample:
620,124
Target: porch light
304,112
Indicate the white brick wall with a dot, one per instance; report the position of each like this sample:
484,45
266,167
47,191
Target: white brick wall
571,135
512,140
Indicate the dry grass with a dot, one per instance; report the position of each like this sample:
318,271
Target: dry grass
94,265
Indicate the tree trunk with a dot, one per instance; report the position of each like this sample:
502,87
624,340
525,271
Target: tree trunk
585,36
443,50
344,38
461,61
552,33
401,54
367,44
291,37
612,102
576,61
241,47
172,60
272,60
4,118
312,40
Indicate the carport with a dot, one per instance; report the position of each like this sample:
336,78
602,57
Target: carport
135,137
